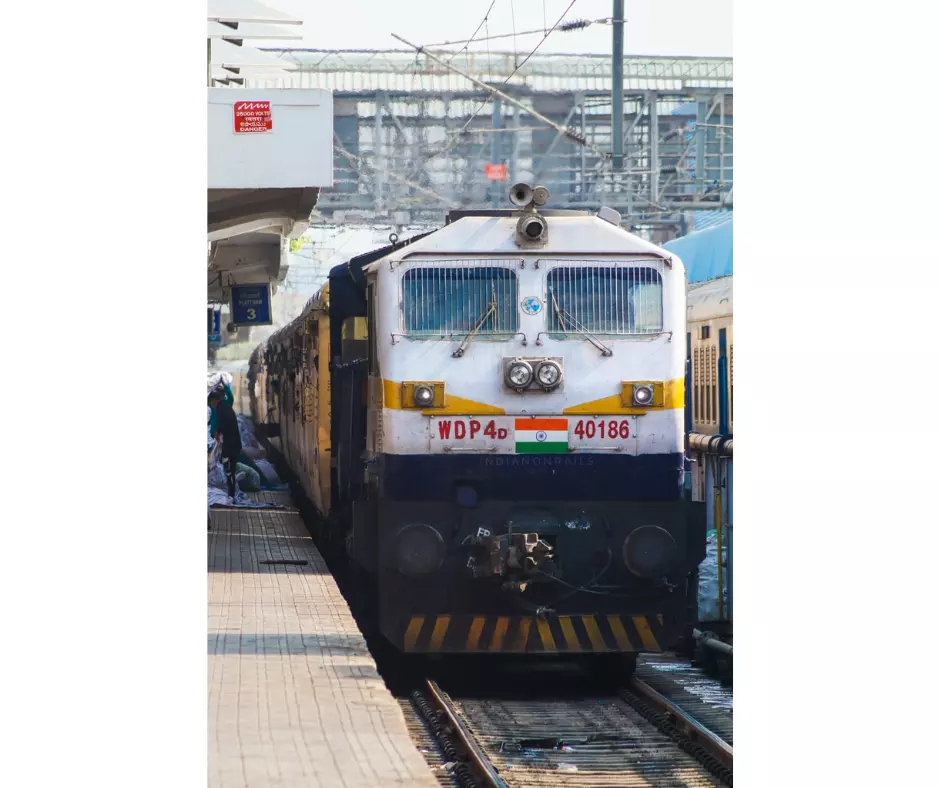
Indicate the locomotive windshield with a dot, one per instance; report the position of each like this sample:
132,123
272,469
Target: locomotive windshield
605,300
444,301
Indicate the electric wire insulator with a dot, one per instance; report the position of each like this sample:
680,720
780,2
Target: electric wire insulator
574,136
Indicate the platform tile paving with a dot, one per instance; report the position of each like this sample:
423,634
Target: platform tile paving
294,696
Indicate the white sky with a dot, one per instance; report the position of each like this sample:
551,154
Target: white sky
654,27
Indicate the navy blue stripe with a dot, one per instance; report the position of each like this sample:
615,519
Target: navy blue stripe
580,477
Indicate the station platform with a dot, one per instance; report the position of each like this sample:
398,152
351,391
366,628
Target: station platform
294,695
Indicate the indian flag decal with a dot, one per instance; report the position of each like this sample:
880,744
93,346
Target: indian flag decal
541,436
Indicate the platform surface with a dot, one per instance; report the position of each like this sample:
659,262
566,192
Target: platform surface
294,696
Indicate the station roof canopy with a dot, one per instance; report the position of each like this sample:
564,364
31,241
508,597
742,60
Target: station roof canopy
248,11
245,231
220,74
233,211
228,55
248,258
247,226
249,31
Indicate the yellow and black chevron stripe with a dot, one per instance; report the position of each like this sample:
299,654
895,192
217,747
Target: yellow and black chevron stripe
529,634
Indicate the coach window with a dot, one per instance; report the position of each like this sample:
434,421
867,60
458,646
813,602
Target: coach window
451,301
355,339
602,299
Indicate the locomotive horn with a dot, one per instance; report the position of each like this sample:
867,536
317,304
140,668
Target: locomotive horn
521,194
540,195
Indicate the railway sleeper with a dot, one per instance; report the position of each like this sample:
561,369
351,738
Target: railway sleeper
664,723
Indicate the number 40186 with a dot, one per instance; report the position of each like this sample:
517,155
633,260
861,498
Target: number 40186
610,429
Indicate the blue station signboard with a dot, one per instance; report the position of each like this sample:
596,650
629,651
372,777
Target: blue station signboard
251,305
215,325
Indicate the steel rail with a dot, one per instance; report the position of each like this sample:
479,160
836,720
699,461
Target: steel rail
717,747
481,764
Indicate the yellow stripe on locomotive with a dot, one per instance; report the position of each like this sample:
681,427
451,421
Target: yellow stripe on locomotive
574,634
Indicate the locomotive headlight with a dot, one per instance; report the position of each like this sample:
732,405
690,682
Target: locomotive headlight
646,395
423,395
419,550
531,227
549,375
642,395
649,551
519,374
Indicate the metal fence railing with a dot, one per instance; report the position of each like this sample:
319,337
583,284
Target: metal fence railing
713,483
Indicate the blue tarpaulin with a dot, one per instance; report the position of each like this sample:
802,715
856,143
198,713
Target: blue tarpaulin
707,254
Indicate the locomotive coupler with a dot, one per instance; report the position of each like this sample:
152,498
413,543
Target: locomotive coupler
510,556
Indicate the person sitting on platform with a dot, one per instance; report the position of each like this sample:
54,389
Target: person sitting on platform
231,437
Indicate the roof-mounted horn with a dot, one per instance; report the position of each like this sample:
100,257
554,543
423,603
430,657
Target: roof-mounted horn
531,229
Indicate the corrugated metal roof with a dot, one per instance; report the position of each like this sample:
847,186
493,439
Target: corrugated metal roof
366,71
707,254
712,299
701,220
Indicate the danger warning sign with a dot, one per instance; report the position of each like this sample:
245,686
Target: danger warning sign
252,117
496,172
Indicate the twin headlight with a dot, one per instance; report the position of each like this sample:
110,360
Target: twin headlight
520,373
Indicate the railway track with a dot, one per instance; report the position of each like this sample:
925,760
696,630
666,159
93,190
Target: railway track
700,696
560,737
429,745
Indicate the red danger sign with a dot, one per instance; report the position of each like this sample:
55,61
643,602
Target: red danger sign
496,172
252,117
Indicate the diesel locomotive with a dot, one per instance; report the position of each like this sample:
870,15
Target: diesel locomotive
491,416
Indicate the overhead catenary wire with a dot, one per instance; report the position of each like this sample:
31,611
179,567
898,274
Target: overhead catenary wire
534,50
567,132
515,46
566,27
461,177
489,61
574,136
358,163
470,40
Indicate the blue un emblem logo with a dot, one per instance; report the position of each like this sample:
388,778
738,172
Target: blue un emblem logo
531,305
